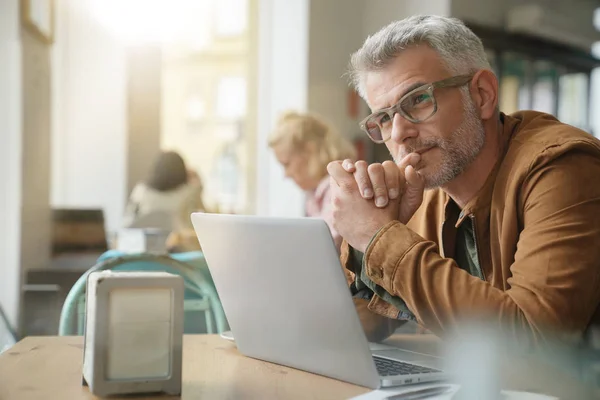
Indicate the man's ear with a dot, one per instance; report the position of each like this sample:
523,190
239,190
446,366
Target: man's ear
484,91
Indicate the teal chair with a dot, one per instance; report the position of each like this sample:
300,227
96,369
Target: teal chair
200,295
8,336
198,262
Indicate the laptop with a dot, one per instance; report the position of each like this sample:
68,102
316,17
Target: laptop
286,299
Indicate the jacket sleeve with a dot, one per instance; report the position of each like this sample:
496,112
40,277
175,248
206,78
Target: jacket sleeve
375,326
554,281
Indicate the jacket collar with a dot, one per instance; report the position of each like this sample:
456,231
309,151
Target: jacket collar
480,204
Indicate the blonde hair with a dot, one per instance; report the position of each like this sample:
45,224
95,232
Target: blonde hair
295,131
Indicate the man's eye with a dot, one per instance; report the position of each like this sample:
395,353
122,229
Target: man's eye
420,98
384,119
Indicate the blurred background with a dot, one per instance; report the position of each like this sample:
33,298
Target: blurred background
91,92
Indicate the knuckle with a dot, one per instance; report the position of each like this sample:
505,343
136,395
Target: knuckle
361,164
363,180
336,202
380,190
348,164
375,168
392,182
330,166
391,170
347,186
388,164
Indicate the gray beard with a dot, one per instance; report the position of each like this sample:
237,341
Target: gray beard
458,152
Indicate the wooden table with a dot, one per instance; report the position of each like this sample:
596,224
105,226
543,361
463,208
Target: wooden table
50,368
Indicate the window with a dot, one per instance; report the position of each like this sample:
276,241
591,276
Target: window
539,74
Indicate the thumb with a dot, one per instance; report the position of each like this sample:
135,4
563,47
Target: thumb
413,194
409,159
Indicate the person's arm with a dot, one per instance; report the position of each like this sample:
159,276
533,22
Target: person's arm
555,276
375,326
133,204
327,215
191,203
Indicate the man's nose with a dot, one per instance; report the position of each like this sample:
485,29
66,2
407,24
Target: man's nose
402,129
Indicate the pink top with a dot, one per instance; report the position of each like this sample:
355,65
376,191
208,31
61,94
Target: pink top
318,204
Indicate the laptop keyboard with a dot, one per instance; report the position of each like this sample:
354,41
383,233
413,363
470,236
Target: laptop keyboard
387,367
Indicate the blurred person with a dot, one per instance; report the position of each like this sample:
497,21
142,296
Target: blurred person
171,190
304,144
481,214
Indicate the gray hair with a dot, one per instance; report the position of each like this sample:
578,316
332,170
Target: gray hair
460,49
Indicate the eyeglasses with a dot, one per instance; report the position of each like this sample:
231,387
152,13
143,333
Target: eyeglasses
416,106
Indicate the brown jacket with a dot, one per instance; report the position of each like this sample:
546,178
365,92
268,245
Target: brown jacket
537,227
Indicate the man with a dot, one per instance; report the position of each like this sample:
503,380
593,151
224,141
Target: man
482,214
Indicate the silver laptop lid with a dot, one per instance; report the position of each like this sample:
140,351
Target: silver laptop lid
285,295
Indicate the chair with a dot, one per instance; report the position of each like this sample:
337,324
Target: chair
40,311
198,262
8,337
199,294
77,231
154,220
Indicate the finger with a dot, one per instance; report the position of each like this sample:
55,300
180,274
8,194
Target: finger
413,194
342,178
377,177
362,179
391,179
336,171
410,159
348,165
415,187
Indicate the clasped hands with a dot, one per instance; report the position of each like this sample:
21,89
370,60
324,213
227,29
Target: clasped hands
367,197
